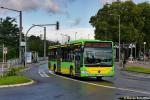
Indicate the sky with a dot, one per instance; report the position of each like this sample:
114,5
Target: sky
73,16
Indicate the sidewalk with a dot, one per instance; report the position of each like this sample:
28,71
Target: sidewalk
134,74
37,64
139,63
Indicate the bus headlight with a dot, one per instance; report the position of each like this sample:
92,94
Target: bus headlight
84,72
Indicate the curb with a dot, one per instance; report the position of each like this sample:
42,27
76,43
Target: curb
17,85
136,75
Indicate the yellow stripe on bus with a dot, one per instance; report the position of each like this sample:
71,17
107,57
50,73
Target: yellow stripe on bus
99,70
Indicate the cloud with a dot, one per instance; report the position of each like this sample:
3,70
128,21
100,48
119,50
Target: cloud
74,22
53,35
52,6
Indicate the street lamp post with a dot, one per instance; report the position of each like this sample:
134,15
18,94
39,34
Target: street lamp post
44,43
75,35
144,51
44,39
68,37
20,30
119,33
41,25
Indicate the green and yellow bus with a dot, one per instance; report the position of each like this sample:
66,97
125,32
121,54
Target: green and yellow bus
82,58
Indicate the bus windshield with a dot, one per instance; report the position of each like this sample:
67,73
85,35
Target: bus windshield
98,55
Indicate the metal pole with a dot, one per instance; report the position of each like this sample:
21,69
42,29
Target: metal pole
20,30
119,39
26,44
27,34
131,52
75,35
135,50
25,51
105,34
144,52
20,38
3,62
44,43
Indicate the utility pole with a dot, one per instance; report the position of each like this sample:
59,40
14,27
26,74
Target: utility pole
44,43
20,30
40,25
20,37
144,52
75,35
119,34
3,62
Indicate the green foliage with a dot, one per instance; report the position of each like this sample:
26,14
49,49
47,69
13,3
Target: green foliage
36,44
14,71
9,36
11,72
135,22
13,80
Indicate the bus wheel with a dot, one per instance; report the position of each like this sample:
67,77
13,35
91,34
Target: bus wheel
71,71
54,68
99,78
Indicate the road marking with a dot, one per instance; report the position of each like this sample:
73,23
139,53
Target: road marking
45,74
42,73
110,87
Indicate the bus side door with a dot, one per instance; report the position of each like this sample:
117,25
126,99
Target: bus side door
77,61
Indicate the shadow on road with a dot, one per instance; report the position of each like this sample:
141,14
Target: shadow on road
89,79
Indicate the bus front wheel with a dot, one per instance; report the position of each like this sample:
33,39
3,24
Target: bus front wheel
54,68
99,78
71,71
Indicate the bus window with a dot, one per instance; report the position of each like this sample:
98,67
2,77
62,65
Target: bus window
53,54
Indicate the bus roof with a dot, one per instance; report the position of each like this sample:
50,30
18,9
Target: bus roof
81,41
86,40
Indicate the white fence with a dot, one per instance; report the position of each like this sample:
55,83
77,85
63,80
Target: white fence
4,66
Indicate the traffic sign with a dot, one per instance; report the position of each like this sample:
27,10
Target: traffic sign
5,50
22,43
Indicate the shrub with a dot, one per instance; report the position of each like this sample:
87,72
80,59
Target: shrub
11,72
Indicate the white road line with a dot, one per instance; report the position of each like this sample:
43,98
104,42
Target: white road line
45,74
111,87
42,73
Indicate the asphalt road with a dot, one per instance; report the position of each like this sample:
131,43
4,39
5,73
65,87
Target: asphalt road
49,86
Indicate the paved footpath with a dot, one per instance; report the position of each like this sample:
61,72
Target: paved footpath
140,63
135,74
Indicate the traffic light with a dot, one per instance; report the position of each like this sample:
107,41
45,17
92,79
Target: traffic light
57,25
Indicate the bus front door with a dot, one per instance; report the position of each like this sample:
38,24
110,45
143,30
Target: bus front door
77,63
58,65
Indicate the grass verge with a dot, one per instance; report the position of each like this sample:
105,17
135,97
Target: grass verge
138,69
11,80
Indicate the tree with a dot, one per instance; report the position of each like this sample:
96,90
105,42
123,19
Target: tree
9,36
132,22
35,43
145,8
